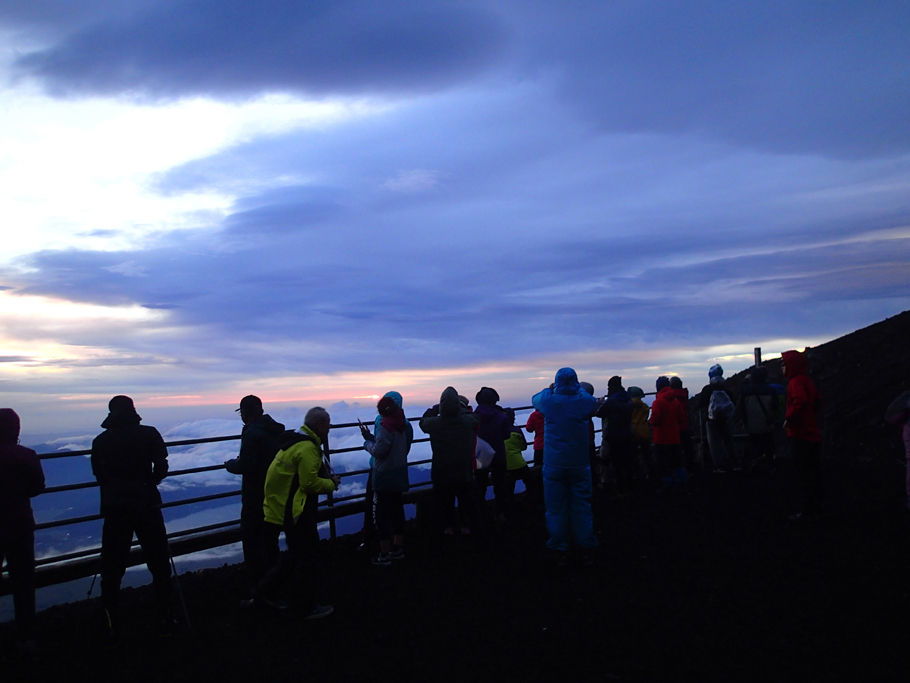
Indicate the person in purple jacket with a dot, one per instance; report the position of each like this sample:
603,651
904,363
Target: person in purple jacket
494,428
21,478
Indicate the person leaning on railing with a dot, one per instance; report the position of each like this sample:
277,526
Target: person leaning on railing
259,442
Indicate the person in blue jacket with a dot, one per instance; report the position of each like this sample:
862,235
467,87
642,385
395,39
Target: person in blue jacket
566,408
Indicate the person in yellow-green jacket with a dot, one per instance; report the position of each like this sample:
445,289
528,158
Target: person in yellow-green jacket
294,480
516,466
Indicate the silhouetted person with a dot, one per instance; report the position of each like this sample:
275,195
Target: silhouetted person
567,489
389,449
666,417
452,429
686,446
758,410
21,478
293,483
616,414
718,410
494,428
898,414
258,444
129,460
801,423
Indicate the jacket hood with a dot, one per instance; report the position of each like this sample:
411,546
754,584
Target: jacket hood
566,381
796,362
9,425
449,404
395,396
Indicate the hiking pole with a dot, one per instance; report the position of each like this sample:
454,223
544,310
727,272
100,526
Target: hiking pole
91,586
179,588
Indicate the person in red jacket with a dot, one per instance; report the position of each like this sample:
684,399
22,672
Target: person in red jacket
21,478
666,419
801,424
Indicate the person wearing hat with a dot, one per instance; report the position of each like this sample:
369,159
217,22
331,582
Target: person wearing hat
21,478
494,428
129,460
259,442
716,413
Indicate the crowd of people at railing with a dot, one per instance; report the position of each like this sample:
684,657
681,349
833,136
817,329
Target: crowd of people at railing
644,448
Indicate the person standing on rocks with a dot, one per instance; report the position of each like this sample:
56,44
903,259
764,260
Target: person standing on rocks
21,478
129,460
567,489
258,445
801,423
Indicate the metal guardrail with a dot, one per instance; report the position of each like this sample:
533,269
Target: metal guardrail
68,566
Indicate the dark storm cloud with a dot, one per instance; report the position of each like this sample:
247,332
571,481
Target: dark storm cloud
830,78
238,48
808,77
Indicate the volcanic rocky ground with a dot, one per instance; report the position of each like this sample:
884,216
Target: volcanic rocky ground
706,584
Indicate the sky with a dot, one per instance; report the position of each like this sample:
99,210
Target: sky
320,201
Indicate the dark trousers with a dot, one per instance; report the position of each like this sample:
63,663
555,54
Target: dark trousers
116,539
252,538
668,459
444,496
623,463
299,572
808,464
757,447
19,553
389,514
497,473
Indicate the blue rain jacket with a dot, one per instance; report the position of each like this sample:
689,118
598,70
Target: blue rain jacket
566,409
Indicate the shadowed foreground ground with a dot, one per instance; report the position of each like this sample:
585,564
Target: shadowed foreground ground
716,583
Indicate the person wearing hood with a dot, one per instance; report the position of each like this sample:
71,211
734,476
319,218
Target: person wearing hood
129,460
259,442
898,413
452,429
389,449
494,428
641,432
616,415
687,448
21,478
801,423
369,514
718,410
567,489
666,417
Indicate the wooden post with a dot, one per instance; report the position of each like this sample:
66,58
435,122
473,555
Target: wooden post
757,356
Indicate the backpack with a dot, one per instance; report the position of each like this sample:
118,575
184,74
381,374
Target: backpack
720,407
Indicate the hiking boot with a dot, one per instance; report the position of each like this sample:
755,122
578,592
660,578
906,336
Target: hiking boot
381,560
319,611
